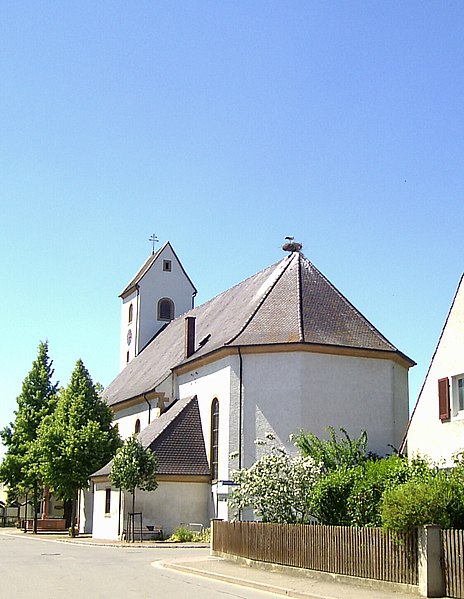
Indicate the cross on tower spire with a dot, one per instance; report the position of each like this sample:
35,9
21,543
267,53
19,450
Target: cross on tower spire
153,240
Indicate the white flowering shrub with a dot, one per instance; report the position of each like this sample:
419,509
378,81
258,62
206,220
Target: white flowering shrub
277,486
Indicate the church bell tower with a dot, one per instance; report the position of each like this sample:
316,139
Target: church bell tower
159,292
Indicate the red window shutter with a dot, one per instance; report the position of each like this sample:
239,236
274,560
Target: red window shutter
443,399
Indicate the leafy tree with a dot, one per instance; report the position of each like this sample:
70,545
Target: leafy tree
20,469
334,452
277,486
134,467
78,438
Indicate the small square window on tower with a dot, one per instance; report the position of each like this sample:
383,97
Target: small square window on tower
167,265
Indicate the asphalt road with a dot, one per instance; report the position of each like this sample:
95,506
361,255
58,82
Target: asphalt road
33,568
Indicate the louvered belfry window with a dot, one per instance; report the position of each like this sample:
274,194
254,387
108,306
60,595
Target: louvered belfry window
443,399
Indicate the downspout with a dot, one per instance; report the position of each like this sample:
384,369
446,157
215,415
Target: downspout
193,298
137,325
240,408
149,407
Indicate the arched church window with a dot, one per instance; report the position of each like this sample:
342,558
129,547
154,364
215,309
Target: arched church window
165,309
131,312
214,438
137,426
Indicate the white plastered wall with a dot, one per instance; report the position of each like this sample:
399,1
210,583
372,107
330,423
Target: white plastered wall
127,417
427,434
169,506
209,382
288,391
124,346
158,284
106,526
284,392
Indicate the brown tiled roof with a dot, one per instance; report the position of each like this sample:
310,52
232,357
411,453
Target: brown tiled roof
176,437
288,302
178,441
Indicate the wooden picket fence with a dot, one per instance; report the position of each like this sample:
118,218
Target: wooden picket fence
453,562
361,552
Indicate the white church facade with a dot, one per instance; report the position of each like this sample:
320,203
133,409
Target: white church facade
280,352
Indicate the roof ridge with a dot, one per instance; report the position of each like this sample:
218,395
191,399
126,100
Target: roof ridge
351,306
300,300
256,274
143,269
168,421
288,260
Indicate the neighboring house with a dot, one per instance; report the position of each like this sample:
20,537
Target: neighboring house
436,428
279,352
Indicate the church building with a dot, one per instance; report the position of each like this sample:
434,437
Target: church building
280,352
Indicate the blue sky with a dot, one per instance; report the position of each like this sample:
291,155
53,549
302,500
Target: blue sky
223,127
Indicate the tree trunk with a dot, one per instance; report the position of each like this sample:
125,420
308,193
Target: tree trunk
73,515
35,498
133,516
25,514
67,512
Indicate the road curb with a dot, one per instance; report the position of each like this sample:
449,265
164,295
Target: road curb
270,588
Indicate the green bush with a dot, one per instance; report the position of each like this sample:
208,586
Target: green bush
329,498
376,477
436,500
352,496
182,534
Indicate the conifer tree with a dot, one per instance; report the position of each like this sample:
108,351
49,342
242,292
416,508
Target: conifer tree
21,469
78,438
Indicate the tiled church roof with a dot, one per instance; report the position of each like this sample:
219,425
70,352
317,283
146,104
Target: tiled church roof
176,437
289,302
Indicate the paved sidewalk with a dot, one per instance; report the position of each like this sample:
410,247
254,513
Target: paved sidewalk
274,580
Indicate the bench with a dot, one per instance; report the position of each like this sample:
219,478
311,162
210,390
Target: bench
148,533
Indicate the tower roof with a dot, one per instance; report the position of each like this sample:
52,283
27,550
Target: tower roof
132,285
290,302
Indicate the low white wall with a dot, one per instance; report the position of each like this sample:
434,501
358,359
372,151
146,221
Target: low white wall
172,504
105,526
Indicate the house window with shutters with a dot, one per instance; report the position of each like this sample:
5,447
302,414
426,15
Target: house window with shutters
457,392
460,393
443,399
214,439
